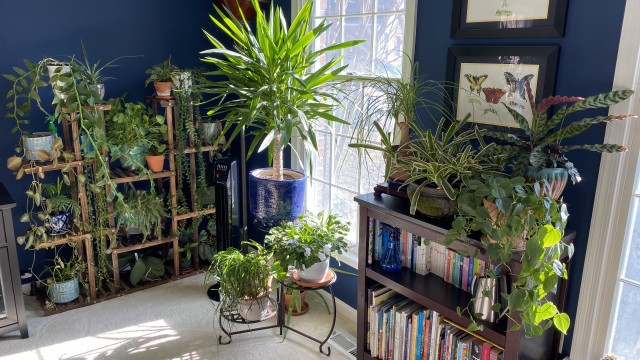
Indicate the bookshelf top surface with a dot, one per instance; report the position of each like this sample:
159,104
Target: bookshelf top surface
399,208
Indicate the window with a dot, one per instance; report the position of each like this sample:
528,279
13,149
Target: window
340,172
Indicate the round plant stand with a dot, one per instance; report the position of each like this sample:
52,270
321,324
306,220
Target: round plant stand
301,285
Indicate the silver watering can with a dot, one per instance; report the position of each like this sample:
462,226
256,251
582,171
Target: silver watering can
485,293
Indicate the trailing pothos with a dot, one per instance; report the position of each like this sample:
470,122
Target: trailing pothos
522,212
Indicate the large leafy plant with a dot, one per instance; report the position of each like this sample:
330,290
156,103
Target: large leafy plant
541,146
523,211
312,238
274,85
143,210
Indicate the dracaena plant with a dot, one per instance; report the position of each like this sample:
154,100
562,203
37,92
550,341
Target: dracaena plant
541,145
275,84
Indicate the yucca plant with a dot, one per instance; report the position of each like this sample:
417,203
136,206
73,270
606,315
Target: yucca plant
541,145
272,85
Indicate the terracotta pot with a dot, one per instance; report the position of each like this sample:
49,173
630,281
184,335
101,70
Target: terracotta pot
296,311
155,162
521,241
163,88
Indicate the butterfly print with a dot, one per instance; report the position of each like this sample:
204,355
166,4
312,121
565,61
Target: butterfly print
489,110
475,82
493,95
515,105
518,85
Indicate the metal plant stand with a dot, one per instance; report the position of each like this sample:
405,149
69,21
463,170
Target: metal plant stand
232,315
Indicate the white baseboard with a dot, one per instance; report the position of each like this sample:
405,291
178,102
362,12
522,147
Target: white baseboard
345,310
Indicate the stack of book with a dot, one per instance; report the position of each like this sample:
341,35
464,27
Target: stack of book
401,329
423,256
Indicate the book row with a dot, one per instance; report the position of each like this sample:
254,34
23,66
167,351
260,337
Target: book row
423,256
400,329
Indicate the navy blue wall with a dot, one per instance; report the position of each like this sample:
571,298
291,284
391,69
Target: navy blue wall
586,66
153,29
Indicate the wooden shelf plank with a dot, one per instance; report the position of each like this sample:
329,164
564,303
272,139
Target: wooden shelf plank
62,241
144,245
48,166
121,176
196,214
436,294
192,150
101,107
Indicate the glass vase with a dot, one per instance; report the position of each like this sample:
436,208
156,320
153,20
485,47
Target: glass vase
391,260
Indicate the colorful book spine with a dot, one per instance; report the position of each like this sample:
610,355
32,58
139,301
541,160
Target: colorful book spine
371,240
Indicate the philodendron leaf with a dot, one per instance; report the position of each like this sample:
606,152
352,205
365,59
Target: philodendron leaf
558,268
552,236
473,327
517,299
137,272
545,312
562,322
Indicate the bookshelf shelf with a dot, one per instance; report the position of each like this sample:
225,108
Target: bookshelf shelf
436,294
432,291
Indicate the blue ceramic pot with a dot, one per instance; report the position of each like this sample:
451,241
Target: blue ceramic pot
273,202
64,292
556,177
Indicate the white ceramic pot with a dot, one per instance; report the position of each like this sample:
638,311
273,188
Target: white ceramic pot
255,309
36,142
315,273
53,70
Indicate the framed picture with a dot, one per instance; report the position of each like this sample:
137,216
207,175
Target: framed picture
488,79
508,18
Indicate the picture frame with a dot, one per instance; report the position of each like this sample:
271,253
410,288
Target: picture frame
488,79
510,19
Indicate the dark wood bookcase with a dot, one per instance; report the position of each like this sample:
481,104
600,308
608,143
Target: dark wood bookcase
432,291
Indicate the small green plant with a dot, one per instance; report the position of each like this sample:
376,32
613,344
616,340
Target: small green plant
311,239
57,200
94,72
161,72
142,210
524,213
242,276
541,145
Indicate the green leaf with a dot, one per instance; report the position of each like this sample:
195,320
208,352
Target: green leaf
562,322
545,312
517,299
473,327
552,236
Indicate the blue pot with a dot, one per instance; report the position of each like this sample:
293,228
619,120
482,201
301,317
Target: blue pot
273,202
556,177
64,292
59,224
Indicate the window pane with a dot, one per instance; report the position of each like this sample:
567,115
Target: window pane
326,8
372,170
355,7
330,37
626,337
350,98
632,268
346,164
358,57
345,208
322,160
389,30
390,5
318,196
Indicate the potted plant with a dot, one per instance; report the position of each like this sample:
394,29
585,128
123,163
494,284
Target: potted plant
157,143
245,280
93,72
63,285
275,88
240,9
142,212
539,152
438,162
162,77
209,130
59,207
307,244
393,102
208,240
525,214
132,130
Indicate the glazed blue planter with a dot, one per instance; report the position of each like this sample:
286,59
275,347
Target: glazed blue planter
64,292
273,202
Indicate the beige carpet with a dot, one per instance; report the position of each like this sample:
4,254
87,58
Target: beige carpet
171,321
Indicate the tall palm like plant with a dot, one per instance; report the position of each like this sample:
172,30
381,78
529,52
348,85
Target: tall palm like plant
273,87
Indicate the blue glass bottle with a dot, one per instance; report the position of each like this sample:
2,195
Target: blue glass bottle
391,260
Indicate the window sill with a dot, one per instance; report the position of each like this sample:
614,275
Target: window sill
348,258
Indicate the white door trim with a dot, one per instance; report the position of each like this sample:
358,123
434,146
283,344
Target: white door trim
612,204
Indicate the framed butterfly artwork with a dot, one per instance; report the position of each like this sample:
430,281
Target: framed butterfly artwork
508,18
487,79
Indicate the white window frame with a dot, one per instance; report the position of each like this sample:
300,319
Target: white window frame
611,209
411,10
